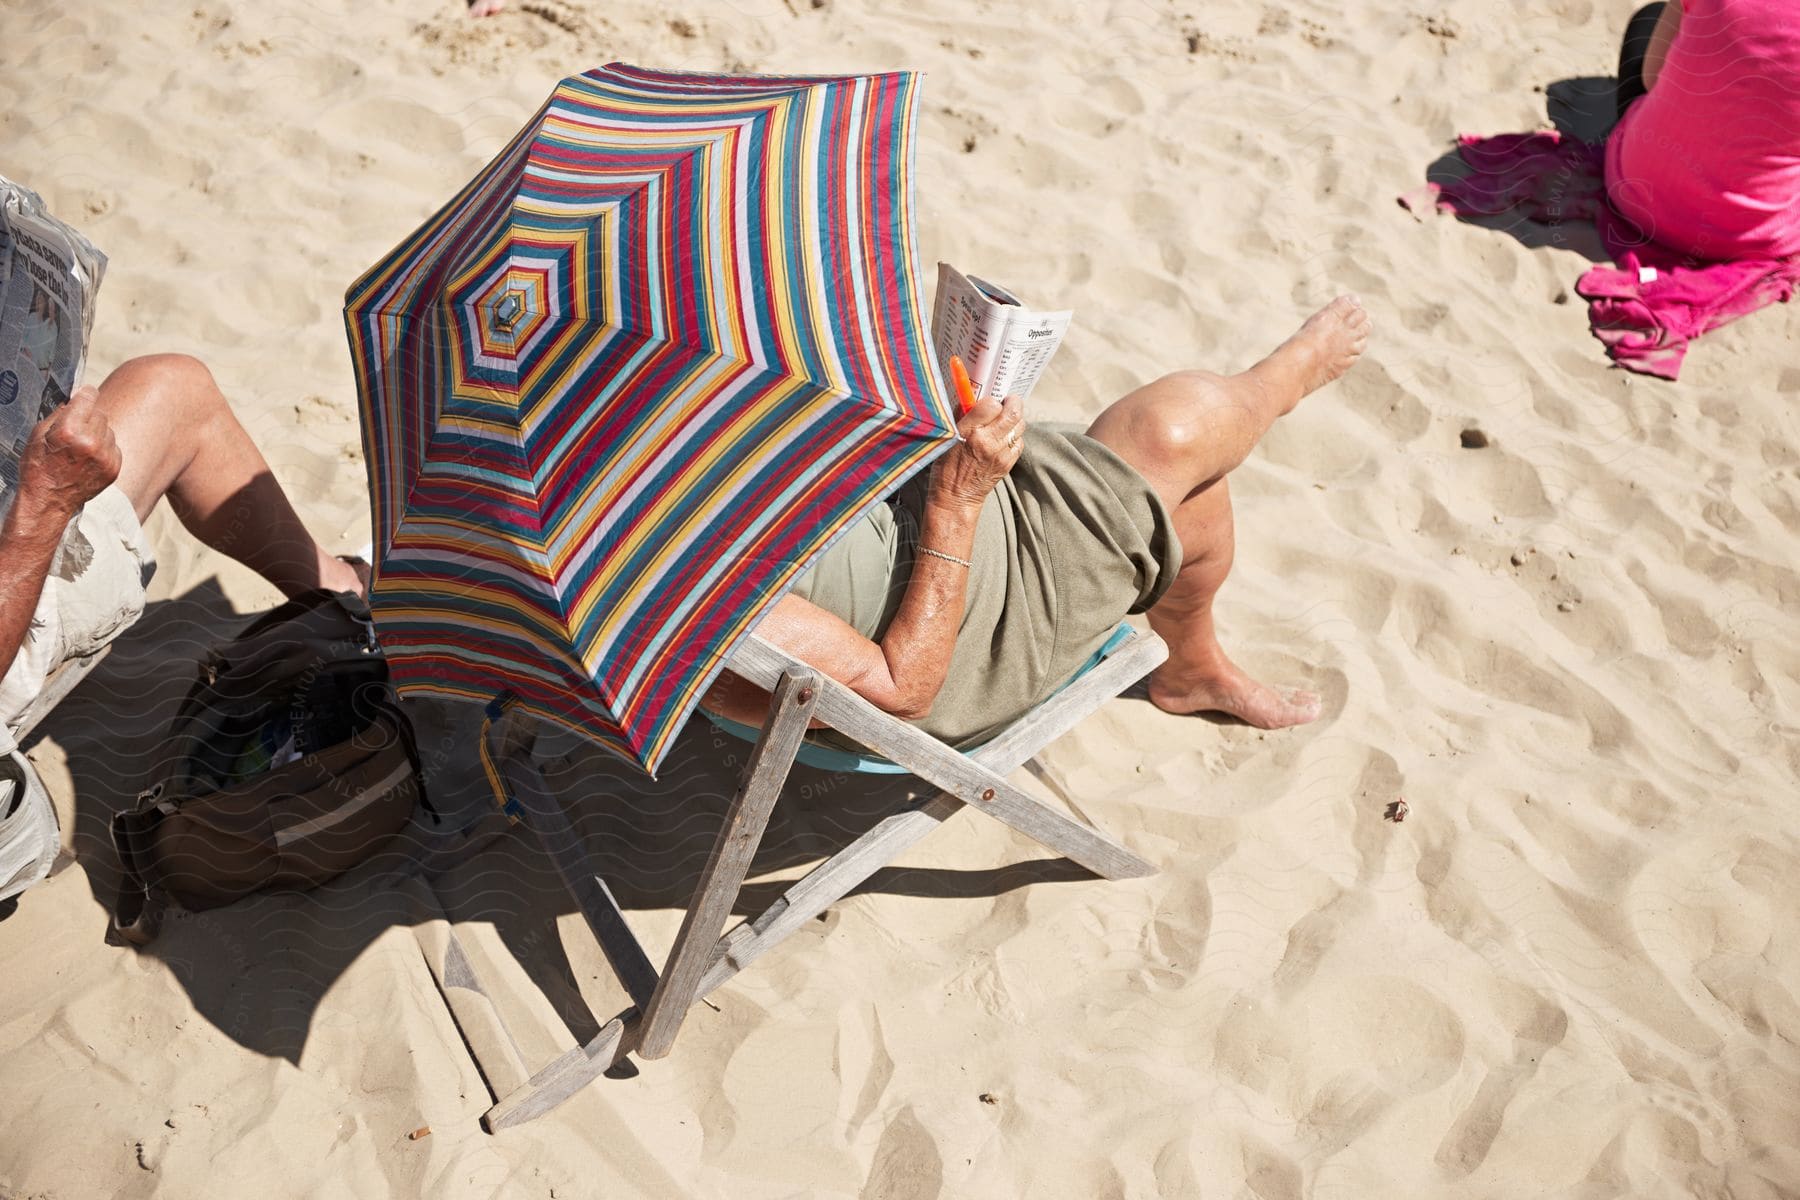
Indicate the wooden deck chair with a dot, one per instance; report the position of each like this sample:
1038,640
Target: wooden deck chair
701,959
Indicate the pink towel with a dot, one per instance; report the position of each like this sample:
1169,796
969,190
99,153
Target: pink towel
1648,307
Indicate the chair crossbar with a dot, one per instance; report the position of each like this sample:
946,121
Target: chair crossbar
891,837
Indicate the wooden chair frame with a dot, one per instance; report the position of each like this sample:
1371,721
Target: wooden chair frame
703,960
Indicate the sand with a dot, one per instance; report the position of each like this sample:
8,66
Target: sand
1572,971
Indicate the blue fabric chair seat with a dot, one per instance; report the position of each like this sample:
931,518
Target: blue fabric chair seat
835,758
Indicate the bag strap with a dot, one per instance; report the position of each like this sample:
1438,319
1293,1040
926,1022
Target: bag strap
138,910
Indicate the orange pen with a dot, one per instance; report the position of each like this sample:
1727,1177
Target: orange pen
959,379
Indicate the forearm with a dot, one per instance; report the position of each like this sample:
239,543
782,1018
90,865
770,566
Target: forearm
28,542
901,674
916,648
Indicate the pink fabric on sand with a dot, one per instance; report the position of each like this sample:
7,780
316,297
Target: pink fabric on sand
1708,162
1655,300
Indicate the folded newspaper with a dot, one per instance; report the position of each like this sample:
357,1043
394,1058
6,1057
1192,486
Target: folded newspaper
1004,346
49,275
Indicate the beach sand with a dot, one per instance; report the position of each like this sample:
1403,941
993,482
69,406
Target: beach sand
1572,971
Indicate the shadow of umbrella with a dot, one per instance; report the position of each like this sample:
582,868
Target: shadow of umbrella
257,969
111,727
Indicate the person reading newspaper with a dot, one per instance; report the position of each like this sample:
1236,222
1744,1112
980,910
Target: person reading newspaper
81,468
988,581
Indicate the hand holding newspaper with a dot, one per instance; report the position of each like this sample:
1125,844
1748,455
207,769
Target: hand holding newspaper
49,275
1003,345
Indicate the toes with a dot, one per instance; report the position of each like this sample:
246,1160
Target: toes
1350,316
1355,322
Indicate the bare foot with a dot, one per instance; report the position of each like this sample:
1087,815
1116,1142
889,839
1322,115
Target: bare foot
1321,350
485,8
1229,690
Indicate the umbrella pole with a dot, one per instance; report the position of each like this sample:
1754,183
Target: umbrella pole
550,822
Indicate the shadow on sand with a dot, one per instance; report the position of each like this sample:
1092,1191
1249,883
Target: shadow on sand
1580,107
258,968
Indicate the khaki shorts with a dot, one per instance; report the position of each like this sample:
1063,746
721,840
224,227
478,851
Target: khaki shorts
94,593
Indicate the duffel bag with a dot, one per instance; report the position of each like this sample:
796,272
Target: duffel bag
292,763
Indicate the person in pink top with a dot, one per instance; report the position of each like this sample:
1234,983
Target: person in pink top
1705,158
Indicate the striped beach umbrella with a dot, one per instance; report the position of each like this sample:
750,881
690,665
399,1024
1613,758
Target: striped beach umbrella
632,379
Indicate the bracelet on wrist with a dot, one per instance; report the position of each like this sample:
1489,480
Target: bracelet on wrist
962,562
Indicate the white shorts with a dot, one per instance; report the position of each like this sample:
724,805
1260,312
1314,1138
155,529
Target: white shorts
94,593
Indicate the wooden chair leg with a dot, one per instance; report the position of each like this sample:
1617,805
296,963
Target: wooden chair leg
563,1077
837,876
473,1009
724,872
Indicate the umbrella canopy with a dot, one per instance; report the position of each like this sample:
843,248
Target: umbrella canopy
634,377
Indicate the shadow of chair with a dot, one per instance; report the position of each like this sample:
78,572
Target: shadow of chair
258,969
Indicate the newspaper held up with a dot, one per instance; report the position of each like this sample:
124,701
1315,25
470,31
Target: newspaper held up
49,276
1004,345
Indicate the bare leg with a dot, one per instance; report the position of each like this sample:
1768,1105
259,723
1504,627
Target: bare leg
179,438
1185,433
1199,676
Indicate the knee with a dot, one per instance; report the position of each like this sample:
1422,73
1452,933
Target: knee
1201,393
1200,416
161,373
167,384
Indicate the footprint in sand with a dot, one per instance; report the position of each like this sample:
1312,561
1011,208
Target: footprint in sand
562,16
1102,106
1391,406
908,1165
395,122
1406,1035
1541,1025
967,130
